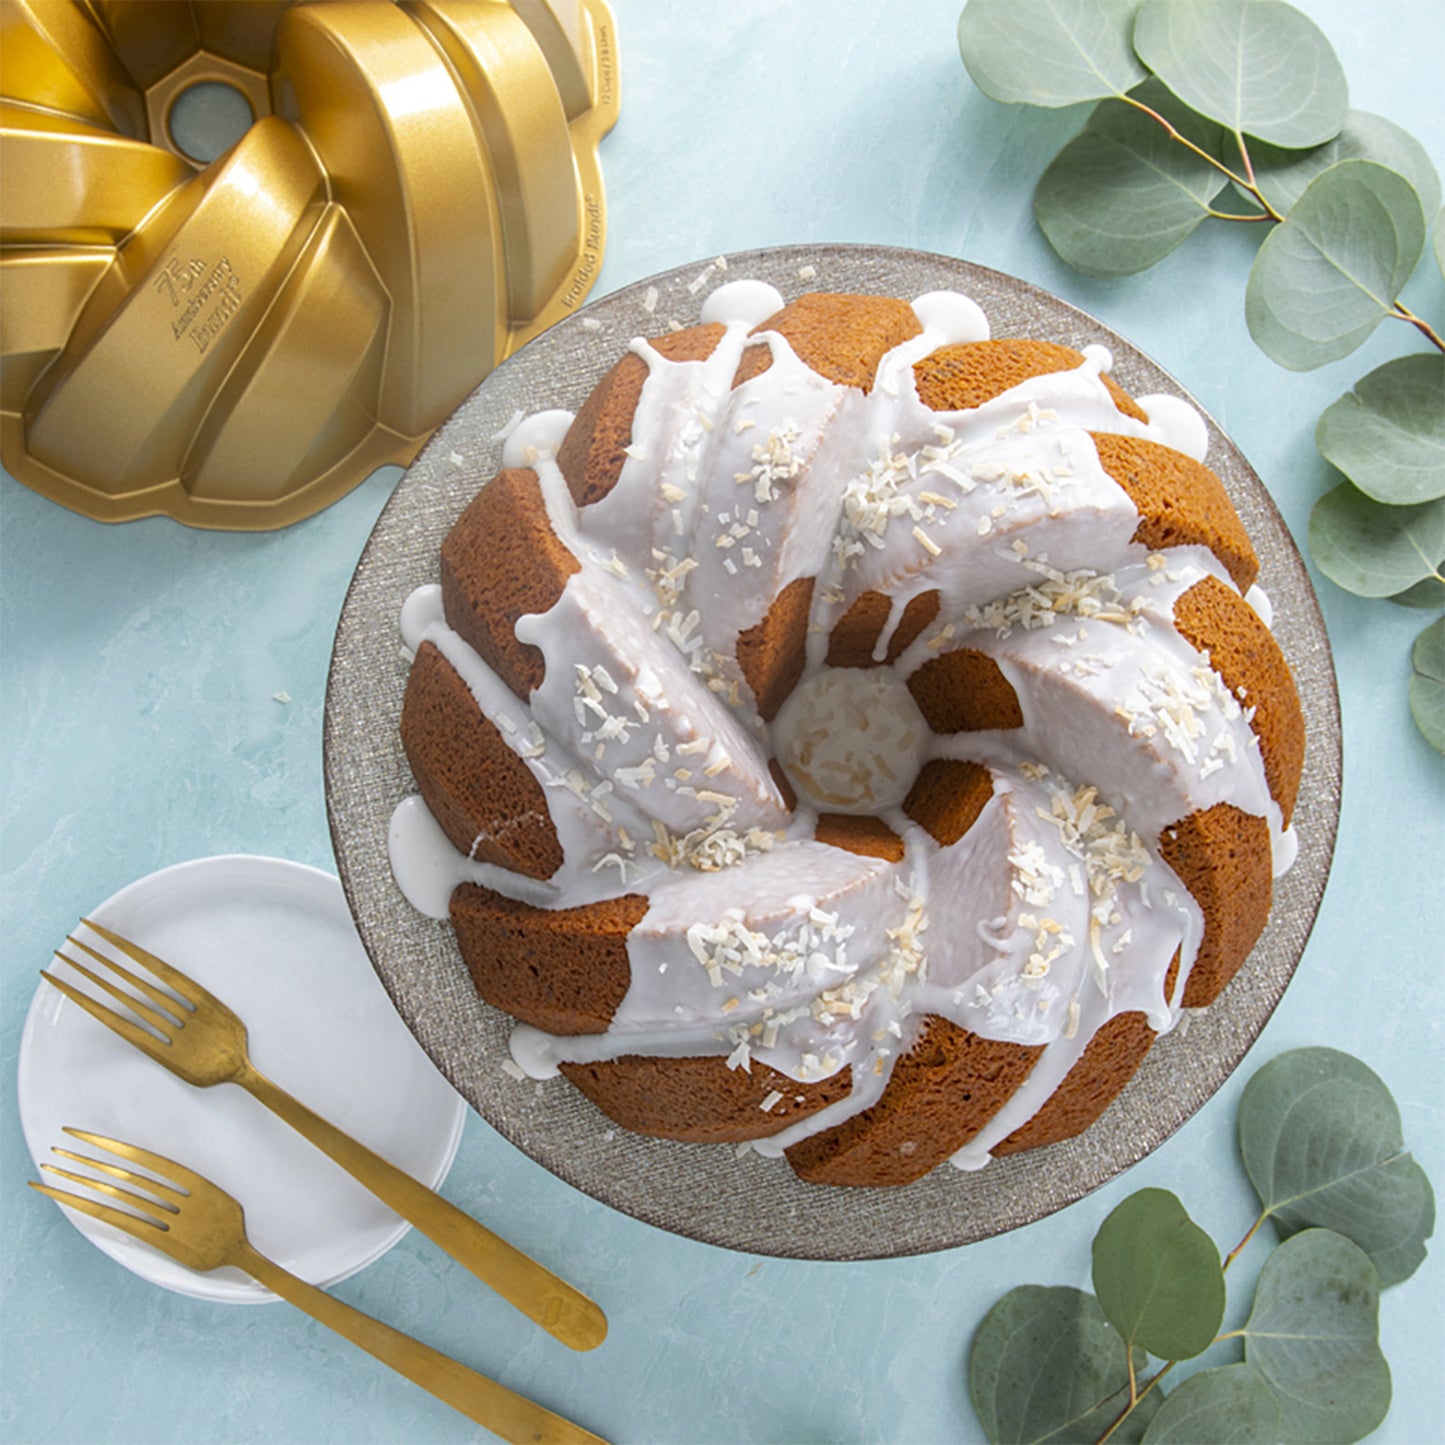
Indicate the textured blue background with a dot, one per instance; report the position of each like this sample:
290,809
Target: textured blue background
140,665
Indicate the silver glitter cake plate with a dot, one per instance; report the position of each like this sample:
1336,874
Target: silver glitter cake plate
707,1192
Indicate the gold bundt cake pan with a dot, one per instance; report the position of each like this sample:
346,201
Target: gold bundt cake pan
237,344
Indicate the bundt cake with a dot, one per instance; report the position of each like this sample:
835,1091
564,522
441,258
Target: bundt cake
849,734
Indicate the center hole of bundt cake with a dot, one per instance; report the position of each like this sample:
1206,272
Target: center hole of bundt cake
851,740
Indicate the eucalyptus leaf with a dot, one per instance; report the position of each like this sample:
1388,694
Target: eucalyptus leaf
1157,1276
1049,52
1373,550
1283,174
1427,684
1046,1365
1321,1141
1388,434
1258,67
1123,194
1330,272
1228,1406
1430,592
1440,240
1313,1335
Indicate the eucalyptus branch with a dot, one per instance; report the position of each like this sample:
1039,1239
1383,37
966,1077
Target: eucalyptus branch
1160,1286
1136,1394
1245,182
1176,134
1148,1385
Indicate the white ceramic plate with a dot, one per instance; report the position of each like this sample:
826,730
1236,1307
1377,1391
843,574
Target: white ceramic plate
275,941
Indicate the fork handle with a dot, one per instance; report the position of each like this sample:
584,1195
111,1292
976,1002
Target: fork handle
501,1410
561,1310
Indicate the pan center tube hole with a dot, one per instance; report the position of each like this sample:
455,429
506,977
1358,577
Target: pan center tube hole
207,119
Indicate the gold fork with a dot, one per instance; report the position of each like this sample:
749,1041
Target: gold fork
202,1227
201,1040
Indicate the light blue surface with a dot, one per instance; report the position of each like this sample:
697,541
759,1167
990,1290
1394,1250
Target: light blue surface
140,728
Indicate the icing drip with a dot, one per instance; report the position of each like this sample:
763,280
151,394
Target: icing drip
1054,912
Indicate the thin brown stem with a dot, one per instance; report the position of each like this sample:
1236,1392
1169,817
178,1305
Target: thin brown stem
1403,313
1245,182
1239,1248
1134,1399
1175,134
1252,181
1244,156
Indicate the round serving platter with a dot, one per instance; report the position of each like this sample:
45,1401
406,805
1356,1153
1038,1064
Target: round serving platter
707,1192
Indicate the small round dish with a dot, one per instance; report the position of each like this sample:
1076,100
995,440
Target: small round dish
703,1191
275,941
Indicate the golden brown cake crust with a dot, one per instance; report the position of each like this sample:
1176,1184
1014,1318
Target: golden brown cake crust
783,784
841,337
1242,650
1106,1065
941,1093
701,1100
481,793
868,837
1222,856
955,378
947,797
855,634
502,561
594,450
854,638
965,691
562,970
772,654
1180,501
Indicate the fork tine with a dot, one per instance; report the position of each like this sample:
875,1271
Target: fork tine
156,1017
182,1177
150,1206
142,1228
158,1187
147,1043
153,992
187,987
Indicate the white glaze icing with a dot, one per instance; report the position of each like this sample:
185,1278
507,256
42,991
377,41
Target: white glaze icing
1179,424
1054,912
535,436
851,740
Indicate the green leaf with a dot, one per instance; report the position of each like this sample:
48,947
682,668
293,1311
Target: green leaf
1228,1406
1321,1141
1283,174
1327,276
1046,1365
1440,241
1388,434
1157,1276
1049,52
1313,1336
1373,550
1430,592
1427,684
1123,194
1258,67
